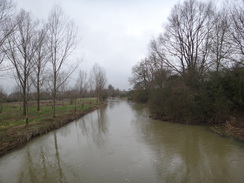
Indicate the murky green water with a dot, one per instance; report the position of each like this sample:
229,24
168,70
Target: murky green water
119,143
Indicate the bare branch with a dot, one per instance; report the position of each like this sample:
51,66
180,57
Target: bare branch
62,40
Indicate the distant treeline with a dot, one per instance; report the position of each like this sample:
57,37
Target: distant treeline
71,93
194,72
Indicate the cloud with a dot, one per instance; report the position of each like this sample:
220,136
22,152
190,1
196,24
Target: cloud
114,34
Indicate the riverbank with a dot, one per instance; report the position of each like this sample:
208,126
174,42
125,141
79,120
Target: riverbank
18,135
232,128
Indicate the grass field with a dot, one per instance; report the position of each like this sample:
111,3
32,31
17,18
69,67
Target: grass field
11,114
13,131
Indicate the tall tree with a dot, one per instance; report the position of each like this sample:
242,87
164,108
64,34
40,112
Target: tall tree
221,48
98,81
81,83
148,75
39,63
237,22
62,83
7,26
62,40
20,49
185,44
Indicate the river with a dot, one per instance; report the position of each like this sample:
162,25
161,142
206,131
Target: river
119,143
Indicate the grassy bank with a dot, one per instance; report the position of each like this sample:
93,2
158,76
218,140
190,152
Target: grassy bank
14,133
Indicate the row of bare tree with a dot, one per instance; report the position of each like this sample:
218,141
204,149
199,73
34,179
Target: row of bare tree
38,53
199,39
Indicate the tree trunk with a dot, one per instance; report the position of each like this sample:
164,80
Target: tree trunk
24,101
54,105
38,100
38,91
25,106
54,95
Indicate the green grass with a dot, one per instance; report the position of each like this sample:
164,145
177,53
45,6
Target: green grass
11,115
13,131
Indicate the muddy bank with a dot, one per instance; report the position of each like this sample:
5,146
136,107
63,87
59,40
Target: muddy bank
18,136
234,127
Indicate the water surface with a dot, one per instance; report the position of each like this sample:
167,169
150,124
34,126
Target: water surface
119,143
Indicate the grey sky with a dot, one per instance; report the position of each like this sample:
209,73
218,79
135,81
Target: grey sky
114,33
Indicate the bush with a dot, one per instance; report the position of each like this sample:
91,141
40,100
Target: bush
214,99
140,95
174,101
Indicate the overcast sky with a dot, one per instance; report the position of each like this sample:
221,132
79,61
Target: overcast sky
114,33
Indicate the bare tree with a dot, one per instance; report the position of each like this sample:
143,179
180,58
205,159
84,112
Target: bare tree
185,44
20,50
7,26
38,76
62,83
62,40
98,81
221,48
3,97
237,22
81,83
149,73
141,75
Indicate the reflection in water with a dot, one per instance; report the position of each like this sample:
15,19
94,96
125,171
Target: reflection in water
43,164
94,127
60,172
119,143
37,167
190,153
